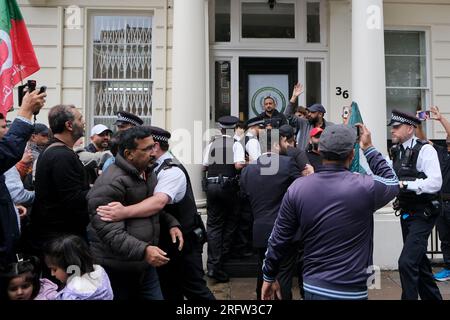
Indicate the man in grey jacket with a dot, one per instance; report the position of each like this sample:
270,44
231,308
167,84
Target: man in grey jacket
314,118
128,249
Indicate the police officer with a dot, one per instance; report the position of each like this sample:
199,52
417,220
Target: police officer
126,120
417,166
183,275
223,158
252,145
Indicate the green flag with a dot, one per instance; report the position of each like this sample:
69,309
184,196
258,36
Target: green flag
355,117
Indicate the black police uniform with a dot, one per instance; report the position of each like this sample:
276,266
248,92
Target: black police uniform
183,275
222,199
418,214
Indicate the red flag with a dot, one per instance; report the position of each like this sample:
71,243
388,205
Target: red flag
17,57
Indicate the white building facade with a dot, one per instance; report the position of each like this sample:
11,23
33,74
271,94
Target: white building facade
181,64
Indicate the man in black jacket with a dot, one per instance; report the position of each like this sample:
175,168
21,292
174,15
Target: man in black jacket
12,146
128,249
61,185
273,119
265,182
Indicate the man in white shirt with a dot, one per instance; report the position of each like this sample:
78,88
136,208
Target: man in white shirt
252,145
417,166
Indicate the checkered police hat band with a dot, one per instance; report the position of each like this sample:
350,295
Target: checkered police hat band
160,138
397,118
126,119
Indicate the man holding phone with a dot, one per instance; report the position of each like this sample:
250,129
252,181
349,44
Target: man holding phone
12,146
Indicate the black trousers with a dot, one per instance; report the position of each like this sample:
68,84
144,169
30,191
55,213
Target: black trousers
244,234
221,224
414,266
183,275
286,272
443,226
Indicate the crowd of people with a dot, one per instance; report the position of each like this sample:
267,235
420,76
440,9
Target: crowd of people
118,219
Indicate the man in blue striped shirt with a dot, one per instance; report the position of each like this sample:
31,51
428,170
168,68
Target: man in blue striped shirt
337,230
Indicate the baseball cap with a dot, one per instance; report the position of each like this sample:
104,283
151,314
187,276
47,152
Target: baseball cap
337,140
98,129
286,131
317,107
315,131
40,128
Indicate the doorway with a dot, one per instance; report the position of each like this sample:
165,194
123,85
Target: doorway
263,77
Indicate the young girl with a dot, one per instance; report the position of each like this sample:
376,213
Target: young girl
21,282
70,261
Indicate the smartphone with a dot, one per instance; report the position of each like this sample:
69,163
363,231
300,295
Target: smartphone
358,132
424,115
30,86
345,112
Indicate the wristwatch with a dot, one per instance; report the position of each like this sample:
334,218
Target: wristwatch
405,185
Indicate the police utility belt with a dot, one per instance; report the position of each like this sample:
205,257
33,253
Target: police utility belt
218,179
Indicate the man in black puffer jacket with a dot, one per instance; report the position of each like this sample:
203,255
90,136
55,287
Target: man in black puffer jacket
128,249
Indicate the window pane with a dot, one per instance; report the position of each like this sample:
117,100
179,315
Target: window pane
222,85
121,67
222,20
260,21
406,71
406,100
405,42
313,83
313,22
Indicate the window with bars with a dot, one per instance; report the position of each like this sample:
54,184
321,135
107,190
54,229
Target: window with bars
121,77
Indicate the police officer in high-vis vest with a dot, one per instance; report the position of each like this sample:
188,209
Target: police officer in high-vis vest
416,164
222,160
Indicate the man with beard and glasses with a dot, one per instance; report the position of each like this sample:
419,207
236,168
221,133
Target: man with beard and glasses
61,187
314,117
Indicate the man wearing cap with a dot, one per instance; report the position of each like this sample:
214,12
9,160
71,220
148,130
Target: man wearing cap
37,143
252,146
312,151
183,275
337,231
12,145
126,120
271,116
100,136
417,166
314,117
